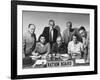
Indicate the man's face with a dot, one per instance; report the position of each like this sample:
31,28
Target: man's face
31,29
59,41
74,39
51,23
68,25
42,39
82,33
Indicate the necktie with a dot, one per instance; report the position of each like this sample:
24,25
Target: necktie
51,35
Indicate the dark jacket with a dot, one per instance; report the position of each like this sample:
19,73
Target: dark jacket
61,49
46,33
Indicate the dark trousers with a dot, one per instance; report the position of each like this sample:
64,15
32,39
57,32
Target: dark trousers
27,61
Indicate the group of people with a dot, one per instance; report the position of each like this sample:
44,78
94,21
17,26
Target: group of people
74,42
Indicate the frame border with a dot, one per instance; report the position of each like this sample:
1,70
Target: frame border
14,39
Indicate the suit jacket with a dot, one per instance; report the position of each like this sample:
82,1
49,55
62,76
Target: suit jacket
46,33
58,29
29,43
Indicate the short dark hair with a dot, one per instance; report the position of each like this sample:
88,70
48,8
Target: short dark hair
70,23
82,28
40,37
30,25
75,35
51,20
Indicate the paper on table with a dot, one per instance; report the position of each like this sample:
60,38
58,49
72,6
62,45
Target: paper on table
65,55
41,62
79,61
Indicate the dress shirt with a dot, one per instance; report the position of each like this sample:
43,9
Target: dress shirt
75,48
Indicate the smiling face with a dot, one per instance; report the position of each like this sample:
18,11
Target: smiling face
31,29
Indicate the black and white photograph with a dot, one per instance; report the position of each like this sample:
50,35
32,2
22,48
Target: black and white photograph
54,38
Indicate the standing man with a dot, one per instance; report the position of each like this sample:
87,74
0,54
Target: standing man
69,32
29,42
85,40
50,32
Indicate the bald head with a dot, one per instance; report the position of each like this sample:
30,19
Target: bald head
59,40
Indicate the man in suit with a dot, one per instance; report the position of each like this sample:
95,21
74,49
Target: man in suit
50,32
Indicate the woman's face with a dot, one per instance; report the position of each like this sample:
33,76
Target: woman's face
42,39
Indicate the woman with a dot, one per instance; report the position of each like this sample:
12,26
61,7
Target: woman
42,48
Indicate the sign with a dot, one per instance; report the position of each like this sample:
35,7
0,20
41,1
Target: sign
59,63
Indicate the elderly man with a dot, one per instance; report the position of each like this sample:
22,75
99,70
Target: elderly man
29,42
59,47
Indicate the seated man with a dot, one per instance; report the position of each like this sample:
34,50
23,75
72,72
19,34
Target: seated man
42,48
59,47
75,48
